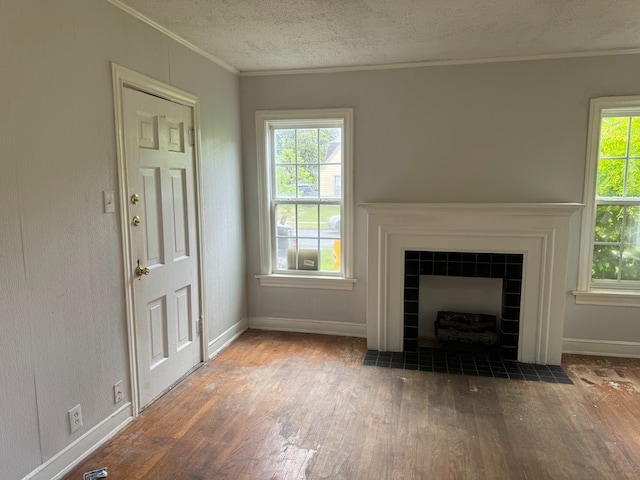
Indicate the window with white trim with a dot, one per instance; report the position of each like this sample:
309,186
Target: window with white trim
610,251
305,165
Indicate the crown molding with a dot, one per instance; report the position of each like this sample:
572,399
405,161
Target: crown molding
173,36
443,63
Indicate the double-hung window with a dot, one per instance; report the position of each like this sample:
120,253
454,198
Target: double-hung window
305,177
610,251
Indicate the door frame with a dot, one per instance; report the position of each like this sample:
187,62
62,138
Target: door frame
122,78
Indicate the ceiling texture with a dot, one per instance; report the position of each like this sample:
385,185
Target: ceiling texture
253,36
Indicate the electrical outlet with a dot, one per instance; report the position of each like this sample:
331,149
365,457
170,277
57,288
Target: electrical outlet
118,394
75,418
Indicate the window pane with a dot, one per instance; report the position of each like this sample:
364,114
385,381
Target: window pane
631,253
308,145
308,181
632,226
610,178
308,221
330,140
286,215
605,262
330,223
285,231
608,223
613,136
285,146
285,181
307,257
330,255
631,263
331,179
337,185
634,147
633,178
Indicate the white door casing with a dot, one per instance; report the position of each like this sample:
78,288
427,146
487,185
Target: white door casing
159,164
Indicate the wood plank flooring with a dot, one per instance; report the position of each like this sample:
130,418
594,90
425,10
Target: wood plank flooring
292,406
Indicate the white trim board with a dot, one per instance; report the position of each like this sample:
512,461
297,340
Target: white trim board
605,348
57,466
441,63
226,338
321,327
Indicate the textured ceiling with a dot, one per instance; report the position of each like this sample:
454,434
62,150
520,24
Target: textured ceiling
265,35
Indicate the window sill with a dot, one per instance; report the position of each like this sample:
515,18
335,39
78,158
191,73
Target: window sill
611,298
304,281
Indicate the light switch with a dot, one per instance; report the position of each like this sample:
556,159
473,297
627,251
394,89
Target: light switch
109,202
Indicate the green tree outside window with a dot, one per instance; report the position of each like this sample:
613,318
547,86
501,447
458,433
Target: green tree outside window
616,249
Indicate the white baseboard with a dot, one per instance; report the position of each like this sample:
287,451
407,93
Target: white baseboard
72,455
229,335
323,327
603,348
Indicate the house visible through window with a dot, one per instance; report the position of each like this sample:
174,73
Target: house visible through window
611,233
305,164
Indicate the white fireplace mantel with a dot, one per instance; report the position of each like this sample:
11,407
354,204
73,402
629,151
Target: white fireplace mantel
539,231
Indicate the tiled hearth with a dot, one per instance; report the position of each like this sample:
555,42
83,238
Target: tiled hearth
466,363
508,267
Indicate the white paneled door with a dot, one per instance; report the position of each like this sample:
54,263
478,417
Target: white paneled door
160,169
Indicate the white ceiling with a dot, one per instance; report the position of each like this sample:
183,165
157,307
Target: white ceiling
267,35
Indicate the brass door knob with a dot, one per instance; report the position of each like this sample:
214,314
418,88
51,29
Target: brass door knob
141,270
136,220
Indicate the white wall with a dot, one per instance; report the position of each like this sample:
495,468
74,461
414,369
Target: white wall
502,132
62,322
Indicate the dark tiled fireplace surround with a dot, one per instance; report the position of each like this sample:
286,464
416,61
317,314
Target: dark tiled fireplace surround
507,266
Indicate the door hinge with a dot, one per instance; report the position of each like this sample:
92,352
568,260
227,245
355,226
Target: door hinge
192,136
199,325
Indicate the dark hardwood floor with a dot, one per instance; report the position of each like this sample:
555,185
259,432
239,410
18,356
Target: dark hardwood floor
294,406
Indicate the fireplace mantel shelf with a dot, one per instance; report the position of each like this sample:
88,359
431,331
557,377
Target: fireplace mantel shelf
542,209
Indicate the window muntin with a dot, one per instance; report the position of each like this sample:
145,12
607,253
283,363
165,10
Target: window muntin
305,171
616,232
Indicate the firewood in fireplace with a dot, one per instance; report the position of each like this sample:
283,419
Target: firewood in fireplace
471,328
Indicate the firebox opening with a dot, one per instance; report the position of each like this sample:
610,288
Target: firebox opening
507,267
456,294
